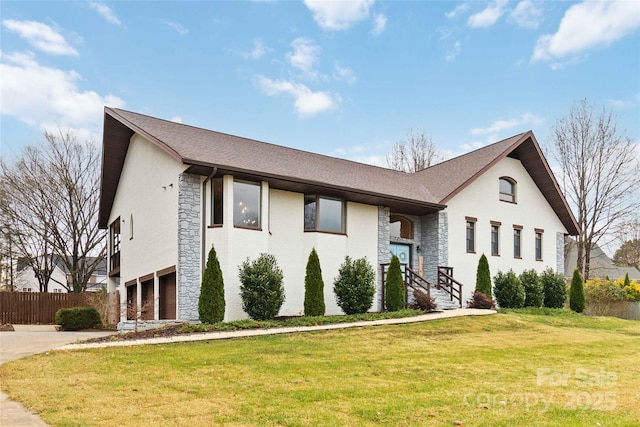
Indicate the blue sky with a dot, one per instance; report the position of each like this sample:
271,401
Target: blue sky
340,78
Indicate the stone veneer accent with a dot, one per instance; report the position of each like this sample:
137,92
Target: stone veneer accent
188,286
434,244
384,236
560,253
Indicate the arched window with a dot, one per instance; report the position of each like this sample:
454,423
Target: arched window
401,227
507,189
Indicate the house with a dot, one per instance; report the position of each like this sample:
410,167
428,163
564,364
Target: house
26,281
600,264
170,191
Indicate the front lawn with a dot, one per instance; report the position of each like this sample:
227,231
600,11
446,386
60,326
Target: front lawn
508,369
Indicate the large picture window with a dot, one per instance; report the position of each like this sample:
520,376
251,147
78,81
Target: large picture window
323,214
216,201
246,204
114,243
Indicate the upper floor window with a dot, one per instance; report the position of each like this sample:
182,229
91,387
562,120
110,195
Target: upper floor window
246,204
114,244
216,201
400,227
323,214
507,190
471,234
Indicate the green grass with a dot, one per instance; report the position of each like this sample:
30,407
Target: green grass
516,368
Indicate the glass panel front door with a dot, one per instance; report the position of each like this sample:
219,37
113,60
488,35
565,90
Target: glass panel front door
403,252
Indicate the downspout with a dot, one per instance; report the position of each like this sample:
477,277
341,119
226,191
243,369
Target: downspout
204,217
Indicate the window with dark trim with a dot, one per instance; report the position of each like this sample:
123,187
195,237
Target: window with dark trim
400,227
517,239
538,245
323,214
114,245
471,235
246,204
495,239
507,189
216,201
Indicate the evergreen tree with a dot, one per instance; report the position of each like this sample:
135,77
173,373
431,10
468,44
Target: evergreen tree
211,302
627,282
313,287
483,277
394,287
576,294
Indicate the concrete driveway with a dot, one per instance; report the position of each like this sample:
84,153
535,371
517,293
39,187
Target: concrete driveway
25,341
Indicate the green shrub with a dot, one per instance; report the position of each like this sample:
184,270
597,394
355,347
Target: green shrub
211,301
354,286
76,318
555,288
602,297
480,300
394,298
483,277
261,287
508,290
533,291
313,287
576,293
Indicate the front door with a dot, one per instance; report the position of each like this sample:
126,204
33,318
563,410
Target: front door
403,252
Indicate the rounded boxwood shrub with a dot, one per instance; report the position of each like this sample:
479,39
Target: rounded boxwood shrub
555,288
261,287
483,277
77,318
508,290
211,301
534,293
394,286
576,294
313,287
354,286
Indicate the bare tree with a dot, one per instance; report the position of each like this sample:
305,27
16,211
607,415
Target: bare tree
50,208
414,153
597,172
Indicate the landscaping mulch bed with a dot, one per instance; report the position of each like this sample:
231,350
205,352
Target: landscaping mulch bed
164,332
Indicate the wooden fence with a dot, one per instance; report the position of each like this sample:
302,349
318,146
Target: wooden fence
35,308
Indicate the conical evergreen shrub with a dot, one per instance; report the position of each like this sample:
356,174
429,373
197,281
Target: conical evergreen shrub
211,301
576,293
313,287
394,287
483,277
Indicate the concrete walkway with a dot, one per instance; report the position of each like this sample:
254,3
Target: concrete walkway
14,345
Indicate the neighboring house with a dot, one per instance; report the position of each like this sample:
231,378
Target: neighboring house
600,266
170,191
26,281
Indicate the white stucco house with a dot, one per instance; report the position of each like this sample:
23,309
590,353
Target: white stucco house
60,281
170,191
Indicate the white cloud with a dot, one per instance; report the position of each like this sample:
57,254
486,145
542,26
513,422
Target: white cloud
47,97
106,12
455,51
344,74
176,119
379,24
305,55
587,25
258,51
498,126
488,16
620,103
41,37
527,14
339,15
307,103
178,27
457,10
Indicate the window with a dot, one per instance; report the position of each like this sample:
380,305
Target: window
517,235
323,214
400,227
507,190
130,226
216,201
538,245
57,291
246,204
471,234
114,240
495,238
